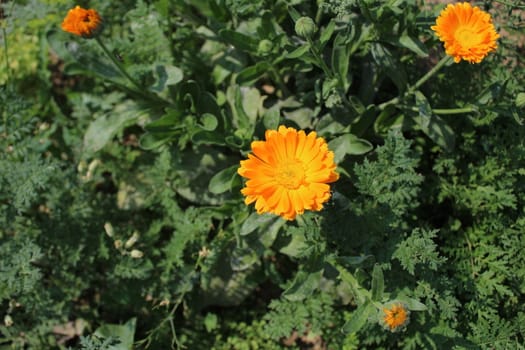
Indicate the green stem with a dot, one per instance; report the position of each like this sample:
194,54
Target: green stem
468,109
444,61
318,58
118,64
8,71
279,80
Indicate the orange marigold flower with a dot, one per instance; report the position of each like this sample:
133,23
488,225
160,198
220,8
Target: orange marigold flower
468,32
82,22
288,173
395,316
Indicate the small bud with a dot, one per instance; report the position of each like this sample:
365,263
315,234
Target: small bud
136,254
305,27
118,244
164,302
132,240
8,321
109,229
265,47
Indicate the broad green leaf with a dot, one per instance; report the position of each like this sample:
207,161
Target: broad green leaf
250,74
304,284
393,69
327,32
412,304
125,333
255,221
239,40
433,126
358,318
102,129
153,140
166,75
208,122
222,181
341,59
243,258
298,52
294,245
271,118
413,44
378,283
348,144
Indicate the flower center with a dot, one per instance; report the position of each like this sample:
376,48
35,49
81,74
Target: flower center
467,37
290,174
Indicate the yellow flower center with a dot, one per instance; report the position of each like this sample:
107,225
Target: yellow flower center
467,37
290,174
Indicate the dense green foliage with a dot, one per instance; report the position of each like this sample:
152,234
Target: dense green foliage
122,224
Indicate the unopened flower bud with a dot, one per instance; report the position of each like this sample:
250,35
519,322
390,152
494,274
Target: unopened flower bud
132,240
265,47
136,254
305,27
8,321
109,229
118,244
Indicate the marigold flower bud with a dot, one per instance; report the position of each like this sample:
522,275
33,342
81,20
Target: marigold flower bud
305,27
265,47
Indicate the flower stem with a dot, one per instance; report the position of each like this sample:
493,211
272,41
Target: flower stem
6,54
118,64
444,61
467,109
317,55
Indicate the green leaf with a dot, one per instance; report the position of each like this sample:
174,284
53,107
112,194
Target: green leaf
341,59
392,67
153,140
412,44
167,75
271,118
250,74
327,32
298,52
359,317
256,221
208,122
125,333
102,129
348,144
239,40
222,181
378,283
243,258
433,126
412,304
520,100
304,284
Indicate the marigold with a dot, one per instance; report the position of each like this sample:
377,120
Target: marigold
288,173
82,22
468,32
395,316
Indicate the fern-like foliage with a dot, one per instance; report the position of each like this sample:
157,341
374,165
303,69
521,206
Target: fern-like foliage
17,274
419,248
391,180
